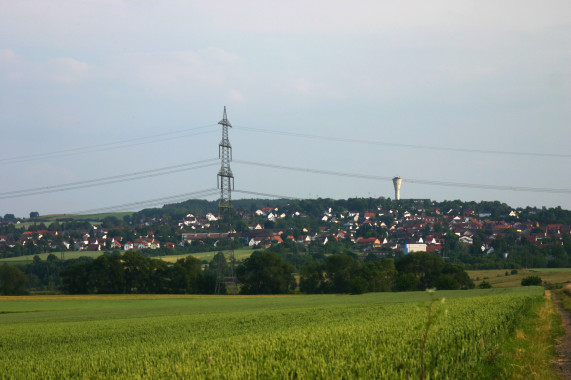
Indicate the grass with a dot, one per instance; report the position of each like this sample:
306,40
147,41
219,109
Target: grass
375,335
498,279
529,353
564,295
92,218
241,253
67,255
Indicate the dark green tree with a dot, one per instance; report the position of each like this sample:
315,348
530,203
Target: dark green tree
75,278
426,267
186,275
311,279
265,272
107,275
12,280
339,272
138,270
406,282
380,275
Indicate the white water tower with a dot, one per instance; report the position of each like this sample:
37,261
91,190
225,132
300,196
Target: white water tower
397,181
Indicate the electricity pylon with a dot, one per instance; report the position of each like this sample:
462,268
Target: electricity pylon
226,184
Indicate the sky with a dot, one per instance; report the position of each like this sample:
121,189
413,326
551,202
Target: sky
466,100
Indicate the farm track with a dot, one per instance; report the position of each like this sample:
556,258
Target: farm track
563,363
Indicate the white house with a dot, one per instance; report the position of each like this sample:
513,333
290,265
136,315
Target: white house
414,247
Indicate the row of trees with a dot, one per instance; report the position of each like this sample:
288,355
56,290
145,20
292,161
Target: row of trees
134,273
267,272
264,272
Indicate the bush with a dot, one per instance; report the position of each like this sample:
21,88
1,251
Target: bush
531,281
514,271
485,285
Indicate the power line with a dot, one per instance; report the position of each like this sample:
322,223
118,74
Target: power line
411,180
402,145
109,180
117,144
172,198
265,194
124,206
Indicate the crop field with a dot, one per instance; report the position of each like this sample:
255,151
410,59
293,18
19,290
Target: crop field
239,254
92,218
375,335
498,278
68,255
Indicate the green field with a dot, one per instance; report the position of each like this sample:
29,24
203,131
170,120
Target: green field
92,218
376,335
68,255
239,254
498,279
20,260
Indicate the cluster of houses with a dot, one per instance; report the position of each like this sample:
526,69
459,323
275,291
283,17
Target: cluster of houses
95,240
373,231
420,230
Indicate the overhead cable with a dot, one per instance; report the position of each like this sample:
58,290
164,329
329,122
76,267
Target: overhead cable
117,144
410,180
148,202
402,145
112,179
264,194
172,198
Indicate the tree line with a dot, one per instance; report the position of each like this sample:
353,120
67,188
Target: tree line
134,273
264,272
267,272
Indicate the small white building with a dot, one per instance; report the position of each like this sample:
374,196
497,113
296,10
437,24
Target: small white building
414,247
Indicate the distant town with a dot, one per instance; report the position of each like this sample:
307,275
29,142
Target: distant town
476,234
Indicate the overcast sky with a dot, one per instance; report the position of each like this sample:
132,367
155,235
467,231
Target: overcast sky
425,90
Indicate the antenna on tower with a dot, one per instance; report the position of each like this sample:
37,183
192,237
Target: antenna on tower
225,181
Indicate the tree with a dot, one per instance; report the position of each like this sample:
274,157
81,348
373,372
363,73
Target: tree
186,275
34,214
12,280
311,279
380,275
219,264
531,281
406,282
453,277
338,270
138,271
265,272
107,275
424,266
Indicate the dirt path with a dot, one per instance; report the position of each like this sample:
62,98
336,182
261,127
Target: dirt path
563,363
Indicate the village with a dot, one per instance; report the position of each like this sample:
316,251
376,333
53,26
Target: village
382,231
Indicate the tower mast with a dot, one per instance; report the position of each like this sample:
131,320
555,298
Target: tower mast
225,176
225,181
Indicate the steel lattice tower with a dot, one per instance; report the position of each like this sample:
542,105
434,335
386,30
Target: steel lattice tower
226,182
